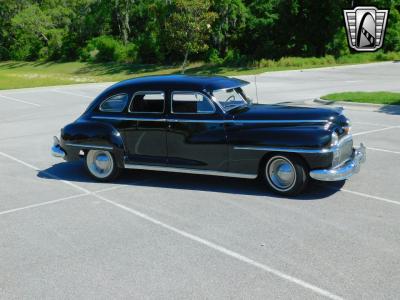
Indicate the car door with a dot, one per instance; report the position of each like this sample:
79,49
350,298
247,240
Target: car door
196,136
145,137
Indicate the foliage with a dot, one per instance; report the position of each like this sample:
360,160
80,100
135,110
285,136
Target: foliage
187,27
104,49
31,74
231,32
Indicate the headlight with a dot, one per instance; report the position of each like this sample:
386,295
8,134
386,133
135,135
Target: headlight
334,139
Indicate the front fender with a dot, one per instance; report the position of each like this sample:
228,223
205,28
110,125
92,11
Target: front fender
250,143
85,135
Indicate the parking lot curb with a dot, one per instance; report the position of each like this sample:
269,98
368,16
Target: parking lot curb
355,105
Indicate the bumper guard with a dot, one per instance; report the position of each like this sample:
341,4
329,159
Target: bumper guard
343,171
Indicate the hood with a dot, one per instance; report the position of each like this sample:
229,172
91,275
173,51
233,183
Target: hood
282,112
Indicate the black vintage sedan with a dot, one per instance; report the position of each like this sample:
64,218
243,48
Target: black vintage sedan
207,125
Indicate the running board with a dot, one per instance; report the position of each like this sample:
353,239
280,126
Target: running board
190,171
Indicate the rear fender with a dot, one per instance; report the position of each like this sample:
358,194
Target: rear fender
85,135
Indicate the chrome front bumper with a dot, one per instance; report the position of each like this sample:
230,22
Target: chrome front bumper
56,150
343,171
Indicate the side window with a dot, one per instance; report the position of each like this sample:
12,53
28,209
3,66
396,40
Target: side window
114,103
191,102
147,102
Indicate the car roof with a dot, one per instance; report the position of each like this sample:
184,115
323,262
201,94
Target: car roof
184,82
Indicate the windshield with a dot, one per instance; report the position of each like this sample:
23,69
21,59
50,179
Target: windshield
230,98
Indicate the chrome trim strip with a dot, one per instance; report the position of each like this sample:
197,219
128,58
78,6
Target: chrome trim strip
195,121
86,146
189,171
293,150
297,150
127,119
278,121
210,121
146,112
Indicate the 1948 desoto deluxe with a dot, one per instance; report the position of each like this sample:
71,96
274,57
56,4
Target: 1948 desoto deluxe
207,125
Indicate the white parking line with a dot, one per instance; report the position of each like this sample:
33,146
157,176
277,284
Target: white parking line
375,130
19,100
372,124
44,172
225,251
5,212
28,91
73,94
197,239
352,81
383,150
9,211
370,196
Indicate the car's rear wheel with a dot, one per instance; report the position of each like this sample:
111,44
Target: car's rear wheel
285,174
101,165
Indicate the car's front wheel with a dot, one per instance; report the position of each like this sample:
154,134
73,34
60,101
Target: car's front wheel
101,165
285,174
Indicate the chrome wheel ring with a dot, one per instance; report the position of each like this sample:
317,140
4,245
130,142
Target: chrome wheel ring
100,163
280,173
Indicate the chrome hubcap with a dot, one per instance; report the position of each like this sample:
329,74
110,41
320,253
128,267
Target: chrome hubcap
100,163
281,173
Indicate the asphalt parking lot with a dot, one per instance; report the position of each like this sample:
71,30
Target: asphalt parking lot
172,236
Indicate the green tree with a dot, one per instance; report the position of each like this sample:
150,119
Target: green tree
147,29
229,24
122,11
188,27
258,39
305,27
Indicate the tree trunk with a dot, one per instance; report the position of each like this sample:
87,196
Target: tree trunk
125,22
184,62
122,11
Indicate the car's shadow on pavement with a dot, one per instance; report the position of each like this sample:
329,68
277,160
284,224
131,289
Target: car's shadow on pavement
74,172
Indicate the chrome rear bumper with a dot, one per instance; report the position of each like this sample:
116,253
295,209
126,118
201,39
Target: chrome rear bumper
344,171
56,150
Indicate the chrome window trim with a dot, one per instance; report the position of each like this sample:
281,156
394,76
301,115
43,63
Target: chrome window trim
86,146
112,96
189,171
146,112
196,113
211,121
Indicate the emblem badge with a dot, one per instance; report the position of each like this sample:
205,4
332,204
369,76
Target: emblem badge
365,27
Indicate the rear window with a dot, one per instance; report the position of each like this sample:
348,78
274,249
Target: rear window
116,103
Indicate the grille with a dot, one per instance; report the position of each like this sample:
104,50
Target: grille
344,151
